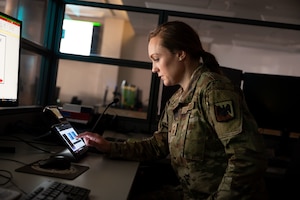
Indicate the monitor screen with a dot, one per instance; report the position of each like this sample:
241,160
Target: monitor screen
89,35
10,37
273,100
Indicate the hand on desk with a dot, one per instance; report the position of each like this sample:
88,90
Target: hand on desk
95,140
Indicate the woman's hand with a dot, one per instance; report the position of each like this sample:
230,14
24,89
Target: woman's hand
95,140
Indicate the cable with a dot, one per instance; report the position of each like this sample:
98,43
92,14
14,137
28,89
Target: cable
116,100
8,159
7,177
29,143
18,187
32,142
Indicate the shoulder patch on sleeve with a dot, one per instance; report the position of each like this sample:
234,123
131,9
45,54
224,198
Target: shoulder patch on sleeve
224,111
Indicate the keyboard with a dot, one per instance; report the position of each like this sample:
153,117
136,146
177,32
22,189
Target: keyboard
57,191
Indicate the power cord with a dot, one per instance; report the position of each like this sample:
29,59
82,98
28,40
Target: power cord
29,143
36,147
8,159
7,176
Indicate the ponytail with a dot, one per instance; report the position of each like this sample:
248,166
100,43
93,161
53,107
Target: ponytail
210,61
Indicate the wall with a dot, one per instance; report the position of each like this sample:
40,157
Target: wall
257,60
137,49
88,82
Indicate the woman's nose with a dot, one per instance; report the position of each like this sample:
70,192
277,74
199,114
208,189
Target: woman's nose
154,68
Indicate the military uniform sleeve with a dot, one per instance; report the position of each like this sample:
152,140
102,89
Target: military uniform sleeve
152,148
244,146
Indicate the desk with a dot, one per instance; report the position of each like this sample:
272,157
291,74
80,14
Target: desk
107,179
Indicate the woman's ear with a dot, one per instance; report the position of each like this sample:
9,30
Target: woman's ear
181,55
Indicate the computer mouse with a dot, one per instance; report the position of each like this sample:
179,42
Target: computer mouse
55,162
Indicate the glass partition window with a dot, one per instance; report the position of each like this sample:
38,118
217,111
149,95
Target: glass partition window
31,13
286,11
97,85
249,48
29,78
106,32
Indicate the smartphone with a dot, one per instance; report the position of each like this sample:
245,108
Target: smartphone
68,134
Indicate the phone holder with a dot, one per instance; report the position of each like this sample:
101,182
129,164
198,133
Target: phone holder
53,115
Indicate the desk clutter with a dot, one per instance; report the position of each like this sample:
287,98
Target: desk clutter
69,173
27,149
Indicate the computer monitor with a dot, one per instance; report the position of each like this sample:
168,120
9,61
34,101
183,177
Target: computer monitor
10,38
273,100
235,75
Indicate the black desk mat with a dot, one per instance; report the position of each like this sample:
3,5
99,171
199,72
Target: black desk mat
70,174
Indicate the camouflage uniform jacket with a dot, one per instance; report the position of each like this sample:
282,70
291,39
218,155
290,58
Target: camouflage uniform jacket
212,140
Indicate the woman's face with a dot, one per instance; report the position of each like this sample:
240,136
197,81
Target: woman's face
166,64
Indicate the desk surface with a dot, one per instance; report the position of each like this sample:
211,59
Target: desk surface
107,179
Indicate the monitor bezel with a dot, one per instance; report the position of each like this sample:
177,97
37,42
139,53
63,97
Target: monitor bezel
13,102
273,100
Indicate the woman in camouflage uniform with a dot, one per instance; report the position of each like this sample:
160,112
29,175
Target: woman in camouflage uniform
206,128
